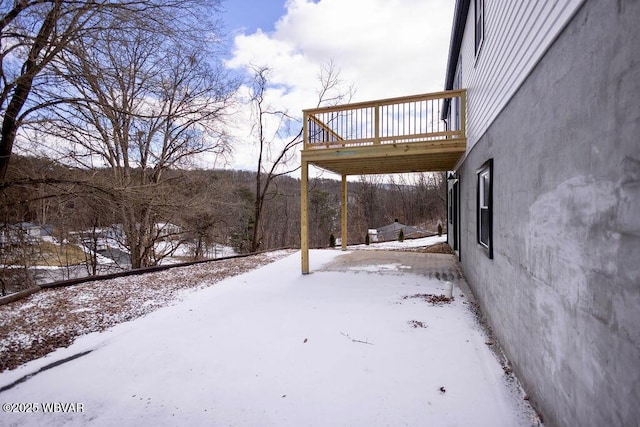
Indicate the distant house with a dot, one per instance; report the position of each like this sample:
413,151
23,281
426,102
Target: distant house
167,229
23,232
392,231
35,230
114,232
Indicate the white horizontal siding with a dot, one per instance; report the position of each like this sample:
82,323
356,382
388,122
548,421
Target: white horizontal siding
517,33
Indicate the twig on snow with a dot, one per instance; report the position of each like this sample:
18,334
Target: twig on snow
354,340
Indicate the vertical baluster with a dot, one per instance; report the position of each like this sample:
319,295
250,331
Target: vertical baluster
431,107
414,118
393,120
376,123
400,119
370,124
439,121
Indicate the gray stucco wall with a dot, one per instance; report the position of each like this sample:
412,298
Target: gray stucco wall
563,290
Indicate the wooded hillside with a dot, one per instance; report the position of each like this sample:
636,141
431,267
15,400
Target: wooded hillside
201,207
216,205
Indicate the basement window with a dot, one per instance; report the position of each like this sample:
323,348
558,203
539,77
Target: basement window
485,207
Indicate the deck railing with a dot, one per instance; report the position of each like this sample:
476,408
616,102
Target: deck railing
389,121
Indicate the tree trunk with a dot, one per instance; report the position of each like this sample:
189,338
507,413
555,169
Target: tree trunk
22,90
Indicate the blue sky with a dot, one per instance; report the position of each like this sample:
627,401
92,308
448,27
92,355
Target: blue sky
382,48
249,15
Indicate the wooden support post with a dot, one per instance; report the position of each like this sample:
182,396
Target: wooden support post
304,216
305,130
344,213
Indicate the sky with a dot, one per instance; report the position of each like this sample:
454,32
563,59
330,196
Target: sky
381,48
246,16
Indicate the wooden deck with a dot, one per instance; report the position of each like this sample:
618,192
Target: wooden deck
386,136
396,135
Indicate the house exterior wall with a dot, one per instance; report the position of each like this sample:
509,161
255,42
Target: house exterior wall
517,33
562,291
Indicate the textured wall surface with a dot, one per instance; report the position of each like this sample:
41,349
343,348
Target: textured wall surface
563,289
517,33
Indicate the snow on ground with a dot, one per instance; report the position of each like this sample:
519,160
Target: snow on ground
272,347
406,244
52,318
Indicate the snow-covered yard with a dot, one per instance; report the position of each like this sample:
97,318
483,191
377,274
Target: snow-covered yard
272,347
54,317
406,244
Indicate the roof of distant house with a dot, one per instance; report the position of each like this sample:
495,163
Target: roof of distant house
391,231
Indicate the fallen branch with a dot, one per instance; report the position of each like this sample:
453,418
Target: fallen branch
354,340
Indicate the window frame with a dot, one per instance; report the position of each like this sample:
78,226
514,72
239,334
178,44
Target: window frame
450,205
479,19
484,202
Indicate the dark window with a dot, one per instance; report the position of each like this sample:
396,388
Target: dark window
485,207
479,23
450,206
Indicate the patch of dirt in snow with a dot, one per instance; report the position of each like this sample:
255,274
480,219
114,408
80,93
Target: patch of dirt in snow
53,318
416,324
430,298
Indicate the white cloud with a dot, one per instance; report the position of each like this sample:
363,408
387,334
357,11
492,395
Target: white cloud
385,48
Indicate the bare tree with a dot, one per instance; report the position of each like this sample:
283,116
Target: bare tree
368,195
403,208
140,103
34,33
275,156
